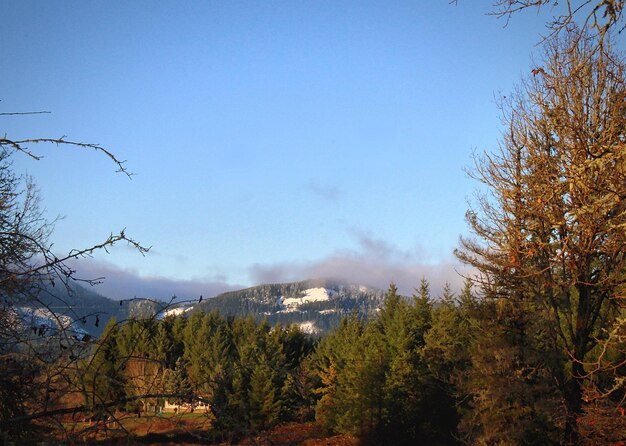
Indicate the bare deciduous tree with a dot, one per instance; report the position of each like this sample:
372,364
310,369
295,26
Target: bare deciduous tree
550,228
598,17
37,359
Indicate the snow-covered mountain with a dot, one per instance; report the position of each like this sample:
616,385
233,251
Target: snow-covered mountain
317,305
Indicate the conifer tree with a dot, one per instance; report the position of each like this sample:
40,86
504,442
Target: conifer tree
207,351
104,381
422,311
375,370
136,338
164,345
176,381
419,407
178,335
510,388
264,396
337,361
448,341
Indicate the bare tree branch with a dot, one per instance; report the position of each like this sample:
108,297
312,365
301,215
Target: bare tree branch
23,113
22,146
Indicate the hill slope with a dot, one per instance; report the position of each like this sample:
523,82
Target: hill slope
83,309
79,309
317,305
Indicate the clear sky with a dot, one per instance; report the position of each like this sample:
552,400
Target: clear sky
270,140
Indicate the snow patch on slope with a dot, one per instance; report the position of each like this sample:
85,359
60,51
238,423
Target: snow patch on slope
42,320
308,327
310,295
37,317
176,311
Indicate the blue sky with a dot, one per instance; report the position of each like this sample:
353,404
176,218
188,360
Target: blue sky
270,141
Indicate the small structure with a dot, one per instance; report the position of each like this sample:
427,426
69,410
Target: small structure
186,407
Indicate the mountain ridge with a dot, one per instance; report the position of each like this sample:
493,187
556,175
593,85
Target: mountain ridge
317,305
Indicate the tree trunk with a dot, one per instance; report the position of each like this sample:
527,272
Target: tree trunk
573,403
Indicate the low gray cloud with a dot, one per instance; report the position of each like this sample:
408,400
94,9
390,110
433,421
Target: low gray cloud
122,283
375,263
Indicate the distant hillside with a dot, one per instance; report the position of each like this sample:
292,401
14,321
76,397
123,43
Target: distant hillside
317,305
86,310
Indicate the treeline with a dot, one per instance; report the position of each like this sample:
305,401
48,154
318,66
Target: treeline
459,369
451,370
379,380
249,372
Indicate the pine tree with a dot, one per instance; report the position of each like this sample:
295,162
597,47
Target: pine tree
163,345
176,381
264,396
510,388
412,398
421,311
449,338
178,336
104,381
373,379
337,361
208,342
